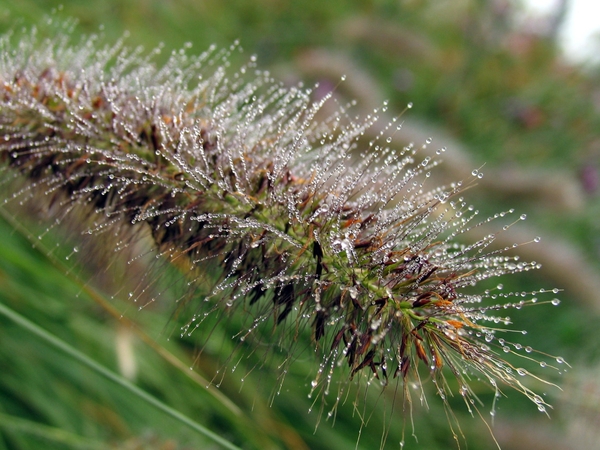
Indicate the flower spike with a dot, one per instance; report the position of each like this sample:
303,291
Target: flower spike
284,215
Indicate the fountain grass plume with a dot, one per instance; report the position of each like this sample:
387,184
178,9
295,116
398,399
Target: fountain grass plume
280,213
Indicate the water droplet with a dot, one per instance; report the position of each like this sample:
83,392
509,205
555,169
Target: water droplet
410,105
556,302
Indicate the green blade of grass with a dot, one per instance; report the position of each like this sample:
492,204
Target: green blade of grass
57,435
103,371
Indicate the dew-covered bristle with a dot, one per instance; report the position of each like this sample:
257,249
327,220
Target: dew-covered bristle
270,210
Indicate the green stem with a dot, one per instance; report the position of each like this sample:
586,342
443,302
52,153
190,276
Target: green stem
82,358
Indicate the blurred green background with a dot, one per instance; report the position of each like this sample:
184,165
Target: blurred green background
492,92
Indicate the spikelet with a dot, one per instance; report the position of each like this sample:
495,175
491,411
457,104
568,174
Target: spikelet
287,217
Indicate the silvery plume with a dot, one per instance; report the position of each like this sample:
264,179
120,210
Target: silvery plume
273,211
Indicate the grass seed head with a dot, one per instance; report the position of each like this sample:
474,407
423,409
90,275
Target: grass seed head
289,217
